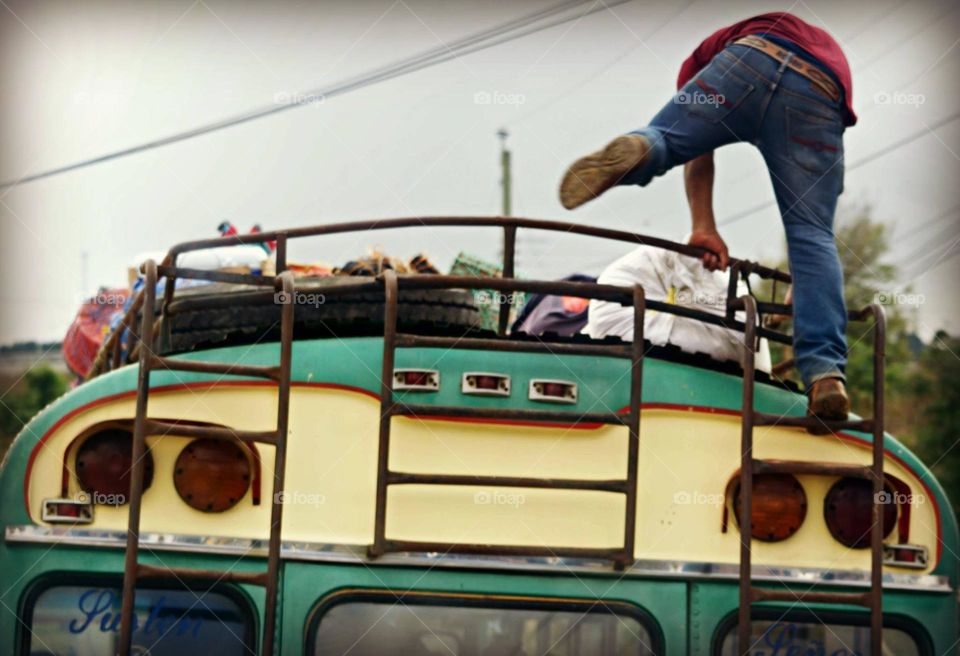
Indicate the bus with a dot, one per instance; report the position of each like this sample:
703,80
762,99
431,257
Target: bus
269,463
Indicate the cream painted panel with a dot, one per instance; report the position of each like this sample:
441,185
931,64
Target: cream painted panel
686,460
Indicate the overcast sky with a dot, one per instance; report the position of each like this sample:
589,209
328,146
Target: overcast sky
82,79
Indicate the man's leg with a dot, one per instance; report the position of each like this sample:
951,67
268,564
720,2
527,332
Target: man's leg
718,107
807,185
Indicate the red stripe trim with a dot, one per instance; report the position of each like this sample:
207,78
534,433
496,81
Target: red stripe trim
349,388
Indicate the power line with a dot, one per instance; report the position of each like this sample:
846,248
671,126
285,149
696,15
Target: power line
606,66
473,43
948,213
855,165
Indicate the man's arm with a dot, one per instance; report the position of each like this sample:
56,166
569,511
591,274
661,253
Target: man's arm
698,180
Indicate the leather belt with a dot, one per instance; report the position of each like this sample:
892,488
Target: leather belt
821,81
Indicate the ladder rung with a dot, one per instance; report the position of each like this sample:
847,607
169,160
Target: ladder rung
502,550
154,427
808,596
807,467
176,364
188,573
765,419
403,478
533,346
423,410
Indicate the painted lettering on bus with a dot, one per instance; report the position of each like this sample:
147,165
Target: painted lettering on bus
97,605
782,640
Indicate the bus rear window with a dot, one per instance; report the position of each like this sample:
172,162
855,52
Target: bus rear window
376,628
84,620
775,637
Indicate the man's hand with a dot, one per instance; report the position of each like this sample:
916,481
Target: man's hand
717,258
698,180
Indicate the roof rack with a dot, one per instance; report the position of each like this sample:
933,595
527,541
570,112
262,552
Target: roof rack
111,354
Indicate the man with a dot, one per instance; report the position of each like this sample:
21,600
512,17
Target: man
783,85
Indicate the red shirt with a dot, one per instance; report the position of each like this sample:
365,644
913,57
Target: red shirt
816,42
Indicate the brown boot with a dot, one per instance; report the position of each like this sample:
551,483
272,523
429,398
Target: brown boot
592,175
828,401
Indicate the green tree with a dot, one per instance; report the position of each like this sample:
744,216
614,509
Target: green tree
37,388
936,391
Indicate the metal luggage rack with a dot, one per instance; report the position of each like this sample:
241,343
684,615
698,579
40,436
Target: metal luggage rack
142,349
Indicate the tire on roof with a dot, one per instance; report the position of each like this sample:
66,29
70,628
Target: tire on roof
223,315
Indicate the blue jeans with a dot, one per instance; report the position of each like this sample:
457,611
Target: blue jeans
746,95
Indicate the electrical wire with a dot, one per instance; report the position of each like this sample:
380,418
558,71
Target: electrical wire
601,69
488,38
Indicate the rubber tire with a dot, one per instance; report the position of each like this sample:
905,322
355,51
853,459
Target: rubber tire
430,311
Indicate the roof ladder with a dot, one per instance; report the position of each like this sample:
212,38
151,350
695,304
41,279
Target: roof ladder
143,426
873,598
622,556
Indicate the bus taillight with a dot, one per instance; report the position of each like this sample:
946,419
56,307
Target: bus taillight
212,475
848,511
779,507
103,466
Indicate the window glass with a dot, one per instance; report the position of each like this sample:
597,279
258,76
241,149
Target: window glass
391,627
79,620
783,638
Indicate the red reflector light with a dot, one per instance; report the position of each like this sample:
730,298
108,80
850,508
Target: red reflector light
416,380
487,382
848,511
778,509
67,511
415,377
212,475
103,465
905,555
552,391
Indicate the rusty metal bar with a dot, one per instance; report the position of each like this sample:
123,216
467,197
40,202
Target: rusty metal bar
390,296
567,288
810,467
182,574
810,597
746,474
216,276
473,221
622,556
226,369
517,414
281,259
143,425
285,284
876,529
137,472
872,599
407,478
157,427
764,419
633,437
514,346
509,259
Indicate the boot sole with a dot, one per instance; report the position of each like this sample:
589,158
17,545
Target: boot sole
592,175
830,407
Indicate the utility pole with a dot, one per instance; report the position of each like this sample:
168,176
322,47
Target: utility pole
505,181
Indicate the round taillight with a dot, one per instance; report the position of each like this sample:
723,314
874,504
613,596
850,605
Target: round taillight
212,475
778,509
848,511
103,465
